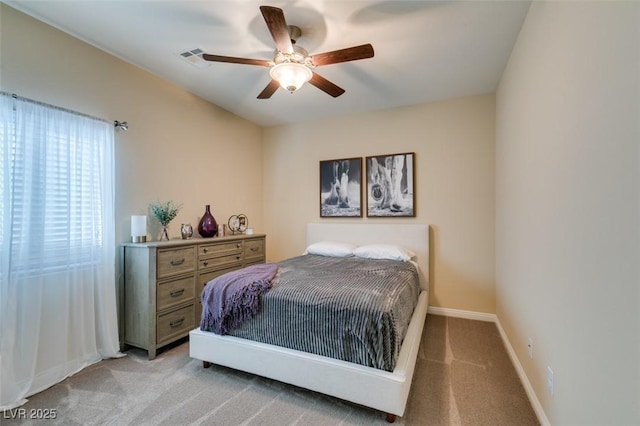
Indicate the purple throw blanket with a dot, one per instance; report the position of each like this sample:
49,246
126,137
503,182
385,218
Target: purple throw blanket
232,298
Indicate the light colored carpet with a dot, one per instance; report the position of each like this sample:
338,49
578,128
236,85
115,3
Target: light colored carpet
463,377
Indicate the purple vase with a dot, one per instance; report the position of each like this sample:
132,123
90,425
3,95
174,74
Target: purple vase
207,227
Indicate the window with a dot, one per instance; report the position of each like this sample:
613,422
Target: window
52,172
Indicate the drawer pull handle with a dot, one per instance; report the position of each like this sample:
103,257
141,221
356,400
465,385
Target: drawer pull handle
177,262
206,250
176,293
176,323
238,257
238,245
254,248
205,263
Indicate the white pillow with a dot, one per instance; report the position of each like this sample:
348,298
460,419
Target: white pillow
331,248
384,251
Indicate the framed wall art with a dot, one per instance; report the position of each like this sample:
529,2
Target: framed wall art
340,188
390,185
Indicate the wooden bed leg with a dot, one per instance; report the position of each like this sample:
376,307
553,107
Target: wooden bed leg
206,364
391,418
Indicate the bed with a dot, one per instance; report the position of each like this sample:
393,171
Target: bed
376,388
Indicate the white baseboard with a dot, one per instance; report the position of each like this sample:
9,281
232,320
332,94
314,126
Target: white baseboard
459,313
482,316
533,398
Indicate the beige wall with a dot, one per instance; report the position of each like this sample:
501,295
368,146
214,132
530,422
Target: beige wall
454,146
178,146
567,208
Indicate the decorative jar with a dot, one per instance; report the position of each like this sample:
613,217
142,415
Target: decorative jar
186,230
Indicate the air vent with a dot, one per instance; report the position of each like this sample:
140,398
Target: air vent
194,57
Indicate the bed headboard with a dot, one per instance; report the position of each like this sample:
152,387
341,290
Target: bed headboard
414,237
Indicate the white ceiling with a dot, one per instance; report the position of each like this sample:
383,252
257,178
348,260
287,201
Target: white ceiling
424,50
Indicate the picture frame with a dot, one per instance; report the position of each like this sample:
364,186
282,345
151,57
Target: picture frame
341,187
391,185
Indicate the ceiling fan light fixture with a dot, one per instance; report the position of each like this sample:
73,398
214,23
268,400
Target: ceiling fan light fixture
290,75
292,66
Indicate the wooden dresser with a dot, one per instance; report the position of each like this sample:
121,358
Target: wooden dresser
163,281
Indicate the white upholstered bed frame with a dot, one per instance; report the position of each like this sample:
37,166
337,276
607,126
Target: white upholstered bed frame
378,389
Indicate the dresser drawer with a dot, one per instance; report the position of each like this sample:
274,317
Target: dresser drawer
174,324
177,261
253,249
220,262
219,249
176,292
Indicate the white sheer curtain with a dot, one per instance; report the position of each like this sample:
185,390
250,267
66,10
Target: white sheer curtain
57,245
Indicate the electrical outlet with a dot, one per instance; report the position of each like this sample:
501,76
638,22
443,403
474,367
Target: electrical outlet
550,380
530,347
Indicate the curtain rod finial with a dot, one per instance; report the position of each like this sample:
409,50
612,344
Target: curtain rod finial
121,125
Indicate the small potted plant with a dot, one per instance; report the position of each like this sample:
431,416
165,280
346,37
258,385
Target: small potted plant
164,213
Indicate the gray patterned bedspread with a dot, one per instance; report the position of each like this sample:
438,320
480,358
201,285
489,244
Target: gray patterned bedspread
352,309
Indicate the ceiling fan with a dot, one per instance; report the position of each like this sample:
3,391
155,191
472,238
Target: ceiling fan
292,66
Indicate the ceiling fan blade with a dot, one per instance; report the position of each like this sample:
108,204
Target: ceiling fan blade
269,90
277,25
343,55
326,86
231,59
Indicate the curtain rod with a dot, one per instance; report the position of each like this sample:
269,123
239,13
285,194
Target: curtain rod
14,96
